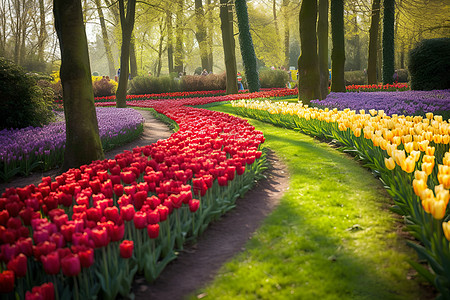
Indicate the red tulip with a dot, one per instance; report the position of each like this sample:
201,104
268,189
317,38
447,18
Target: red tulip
194,205
112,214
51,263
100,237
222,180
86,257
6,281
71,265
4,217
127,212
25,246
117,232
94,214
118,190
139,199
140,219
43,292
163,212
18,265
128,177
43,249
152,217
126,249
153,231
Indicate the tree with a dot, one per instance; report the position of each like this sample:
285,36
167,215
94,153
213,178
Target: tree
109,55
388,40
200,34
179,55
373,42
169,40
247,49
83,143
308,62
322,36
42,31
133,60
338,50
285,10
226,20
127,24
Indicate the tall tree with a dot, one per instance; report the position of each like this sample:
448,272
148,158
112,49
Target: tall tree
388,40
338,50
169,40
133,60
200,34
127,25
285,11
179,55
322,36
226,24
42,31
210,33
275,19
82,136
247,49
308,62
106,43
373,43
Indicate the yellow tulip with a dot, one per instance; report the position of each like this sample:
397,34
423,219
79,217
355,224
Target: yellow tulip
409,147
437,138
408,165
429,115
420,175
445,139
428,158
415,154
443,195
437,209
419,186
423,145
446,229
430,151
426,203
390,163
438,118
427,167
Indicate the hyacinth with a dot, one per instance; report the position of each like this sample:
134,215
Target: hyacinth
20,144
406,103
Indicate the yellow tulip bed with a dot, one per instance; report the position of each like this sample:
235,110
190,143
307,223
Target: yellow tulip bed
409,154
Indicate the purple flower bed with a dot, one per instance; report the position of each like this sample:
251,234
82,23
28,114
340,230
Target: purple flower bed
22,150
406,103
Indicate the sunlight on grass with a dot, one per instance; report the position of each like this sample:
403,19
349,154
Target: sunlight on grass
331,237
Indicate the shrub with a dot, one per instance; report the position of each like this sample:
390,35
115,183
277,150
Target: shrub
429,64
403,75
269,78
354,77
151,84
24,103
104,87
210,82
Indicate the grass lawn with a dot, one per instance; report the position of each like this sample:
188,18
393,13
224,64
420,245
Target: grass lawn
331,237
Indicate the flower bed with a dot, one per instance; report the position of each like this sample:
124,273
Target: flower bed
377,87
409,154
402,103
87,233
32,148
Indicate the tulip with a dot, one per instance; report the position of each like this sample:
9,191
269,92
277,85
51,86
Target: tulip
127,212
194,205
446,229
140,220
112,214
153,217
126,249
100,237
153,231
44,292
71,265
86,257
7,281
117,232
51,263
18,265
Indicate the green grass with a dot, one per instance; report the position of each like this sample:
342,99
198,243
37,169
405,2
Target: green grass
331,237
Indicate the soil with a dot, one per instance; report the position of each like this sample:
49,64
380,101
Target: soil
198,263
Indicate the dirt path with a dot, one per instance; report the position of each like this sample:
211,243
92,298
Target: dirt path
198,264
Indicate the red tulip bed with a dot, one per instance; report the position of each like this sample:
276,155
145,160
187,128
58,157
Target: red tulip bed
377,87
86,233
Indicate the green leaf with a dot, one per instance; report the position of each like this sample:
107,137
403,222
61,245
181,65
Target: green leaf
424,272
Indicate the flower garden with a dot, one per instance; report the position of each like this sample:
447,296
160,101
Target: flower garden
87,232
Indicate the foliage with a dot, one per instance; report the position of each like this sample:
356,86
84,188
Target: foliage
103,86
429,65
210,82
354,77
273,78
24,103
151,84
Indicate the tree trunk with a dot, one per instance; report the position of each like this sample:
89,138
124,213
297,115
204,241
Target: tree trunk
247,49
285,5
201,34
226,18
42,31
379,57
127,24
133,60
373,43
179,57
275,19
83,143
160,47
388,40
338,51
210,34
357,44
169,41
109,55
402,56
308,62
322,35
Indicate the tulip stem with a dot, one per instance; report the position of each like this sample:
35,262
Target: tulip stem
105,266
75,288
